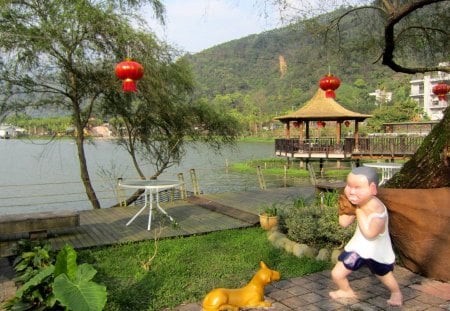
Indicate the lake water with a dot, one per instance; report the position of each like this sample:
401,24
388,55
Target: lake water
40,176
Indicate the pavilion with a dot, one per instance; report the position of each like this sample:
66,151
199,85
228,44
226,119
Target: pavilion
320,108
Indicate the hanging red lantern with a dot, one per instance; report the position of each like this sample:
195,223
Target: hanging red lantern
296,124
347,123
129,71
441,90
320,124
329,84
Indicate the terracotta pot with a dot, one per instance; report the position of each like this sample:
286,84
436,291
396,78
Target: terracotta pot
419,223
268,222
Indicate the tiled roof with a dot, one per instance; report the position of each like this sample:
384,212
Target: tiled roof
321,108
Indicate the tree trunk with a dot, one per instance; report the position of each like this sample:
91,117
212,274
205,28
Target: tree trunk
84,170
430,166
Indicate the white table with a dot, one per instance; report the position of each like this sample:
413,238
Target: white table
388,169
150,187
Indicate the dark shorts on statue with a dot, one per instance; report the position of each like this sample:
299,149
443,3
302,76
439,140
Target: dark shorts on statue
353,261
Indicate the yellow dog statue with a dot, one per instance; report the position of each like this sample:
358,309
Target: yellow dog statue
249,296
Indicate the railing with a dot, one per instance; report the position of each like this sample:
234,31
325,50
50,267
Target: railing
70,195
400,146
323,146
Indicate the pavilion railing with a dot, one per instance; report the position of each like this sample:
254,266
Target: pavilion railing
399,146
309,146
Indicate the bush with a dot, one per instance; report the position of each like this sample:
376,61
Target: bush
316,224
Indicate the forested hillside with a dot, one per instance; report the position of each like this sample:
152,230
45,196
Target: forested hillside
273,72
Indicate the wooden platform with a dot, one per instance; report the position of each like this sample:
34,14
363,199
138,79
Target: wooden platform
108,226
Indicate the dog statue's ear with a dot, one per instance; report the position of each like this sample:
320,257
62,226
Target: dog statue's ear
262,265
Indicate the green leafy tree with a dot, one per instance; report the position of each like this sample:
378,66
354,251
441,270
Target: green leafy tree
62,52
403,111
161,118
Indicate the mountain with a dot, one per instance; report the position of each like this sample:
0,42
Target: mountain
280,69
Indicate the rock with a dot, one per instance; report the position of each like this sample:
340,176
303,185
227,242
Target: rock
311,252
275,235
335,254
324,254
300,250
289,246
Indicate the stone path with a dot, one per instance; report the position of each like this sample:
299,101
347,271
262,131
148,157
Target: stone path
311,293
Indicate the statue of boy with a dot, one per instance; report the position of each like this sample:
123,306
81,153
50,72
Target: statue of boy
371,244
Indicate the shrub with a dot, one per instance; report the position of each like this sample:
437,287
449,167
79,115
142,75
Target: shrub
317,223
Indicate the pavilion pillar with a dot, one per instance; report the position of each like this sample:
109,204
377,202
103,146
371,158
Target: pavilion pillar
287,129
307,129
338,132
300,128
356,136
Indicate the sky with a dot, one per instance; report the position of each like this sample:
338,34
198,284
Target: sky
195,25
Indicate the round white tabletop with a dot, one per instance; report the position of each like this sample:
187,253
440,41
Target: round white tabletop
152,184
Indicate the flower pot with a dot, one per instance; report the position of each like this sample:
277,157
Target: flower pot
267,222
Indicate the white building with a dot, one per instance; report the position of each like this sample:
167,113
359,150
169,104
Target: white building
422,92
10,131
381,96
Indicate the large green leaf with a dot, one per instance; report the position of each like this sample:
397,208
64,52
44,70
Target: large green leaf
81,295
66,262
85,272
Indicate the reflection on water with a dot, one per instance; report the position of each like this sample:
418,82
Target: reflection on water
39,176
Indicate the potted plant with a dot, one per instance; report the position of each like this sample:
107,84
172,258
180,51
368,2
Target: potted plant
268,217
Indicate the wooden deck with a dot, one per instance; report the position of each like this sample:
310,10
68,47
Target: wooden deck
204,214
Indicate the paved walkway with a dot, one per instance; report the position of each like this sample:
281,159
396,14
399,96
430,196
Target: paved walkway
310,293
303,293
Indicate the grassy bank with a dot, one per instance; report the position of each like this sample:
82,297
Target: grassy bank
279,166
185,269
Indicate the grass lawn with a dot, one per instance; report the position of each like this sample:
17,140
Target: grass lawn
186,268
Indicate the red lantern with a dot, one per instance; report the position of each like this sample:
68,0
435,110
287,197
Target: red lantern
347,123
329,83
129,71
441,90
296,124
320,124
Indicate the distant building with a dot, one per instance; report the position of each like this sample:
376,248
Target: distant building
381,96
10,131
422,92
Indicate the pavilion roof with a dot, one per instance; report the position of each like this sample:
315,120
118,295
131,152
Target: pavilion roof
321,108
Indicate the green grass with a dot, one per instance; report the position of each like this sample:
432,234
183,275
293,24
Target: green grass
185,269
276,167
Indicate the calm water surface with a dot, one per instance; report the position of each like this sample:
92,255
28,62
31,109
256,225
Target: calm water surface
35,176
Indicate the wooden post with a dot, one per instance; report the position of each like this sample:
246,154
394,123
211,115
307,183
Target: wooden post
262,182
182,186
338,131
356,135
194,180
300,136
285,175
288,130
121,194
307,129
